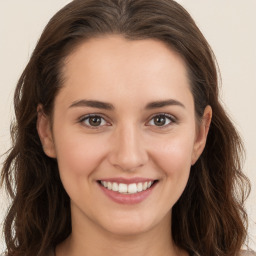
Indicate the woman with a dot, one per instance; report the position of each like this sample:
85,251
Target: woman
121,145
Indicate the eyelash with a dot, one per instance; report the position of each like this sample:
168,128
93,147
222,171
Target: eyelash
87,118
171,119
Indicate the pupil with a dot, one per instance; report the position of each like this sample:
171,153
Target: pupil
159,120
95,121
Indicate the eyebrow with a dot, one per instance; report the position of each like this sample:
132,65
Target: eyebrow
164,103
109,106
92,104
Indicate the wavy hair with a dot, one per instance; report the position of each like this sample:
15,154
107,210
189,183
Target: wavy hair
209,218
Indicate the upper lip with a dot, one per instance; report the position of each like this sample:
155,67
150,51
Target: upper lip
127,181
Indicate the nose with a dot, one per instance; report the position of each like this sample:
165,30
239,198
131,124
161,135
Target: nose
128,151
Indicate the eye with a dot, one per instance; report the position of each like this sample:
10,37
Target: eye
93,121
161,120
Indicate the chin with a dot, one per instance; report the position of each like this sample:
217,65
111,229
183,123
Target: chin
130,225
128,229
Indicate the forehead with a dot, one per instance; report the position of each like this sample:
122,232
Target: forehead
105,51
117,66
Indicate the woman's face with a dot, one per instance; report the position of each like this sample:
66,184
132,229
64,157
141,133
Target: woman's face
124,119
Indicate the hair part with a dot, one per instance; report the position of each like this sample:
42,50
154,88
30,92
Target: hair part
209,218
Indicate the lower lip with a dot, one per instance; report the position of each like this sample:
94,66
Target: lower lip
128,198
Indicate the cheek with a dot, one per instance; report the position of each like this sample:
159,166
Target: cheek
173,158
174,155
78,155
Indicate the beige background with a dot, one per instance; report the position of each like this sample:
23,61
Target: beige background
229,26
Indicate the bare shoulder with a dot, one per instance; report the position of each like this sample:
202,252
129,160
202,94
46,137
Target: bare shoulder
247,253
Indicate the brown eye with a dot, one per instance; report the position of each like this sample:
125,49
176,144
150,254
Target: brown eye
161,120
93,121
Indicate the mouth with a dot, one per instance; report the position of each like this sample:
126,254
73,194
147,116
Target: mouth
127,189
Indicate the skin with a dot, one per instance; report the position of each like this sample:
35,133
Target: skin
128,143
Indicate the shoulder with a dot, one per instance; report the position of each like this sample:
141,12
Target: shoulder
247,253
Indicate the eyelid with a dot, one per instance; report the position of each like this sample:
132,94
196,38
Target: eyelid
84,117
169,116
172,119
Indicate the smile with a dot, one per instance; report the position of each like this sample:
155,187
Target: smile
128,191
122,188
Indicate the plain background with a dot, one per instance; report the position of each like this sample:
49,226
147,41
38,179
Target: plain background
228,25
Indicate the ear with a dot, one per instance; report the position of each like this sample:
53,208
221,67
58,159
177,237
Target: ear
202,133
45,132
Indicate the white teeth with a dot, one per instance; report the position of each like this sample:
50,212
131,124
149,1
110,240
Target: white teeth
145,185
122,188
115,186
139,187
109,185
125,188
132,188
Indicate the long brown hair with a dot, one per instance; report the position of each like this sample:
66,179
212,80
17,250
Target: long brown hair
209,218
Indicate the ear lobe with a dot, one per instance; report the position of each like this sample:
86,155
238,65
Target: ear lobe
45,132
202,133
